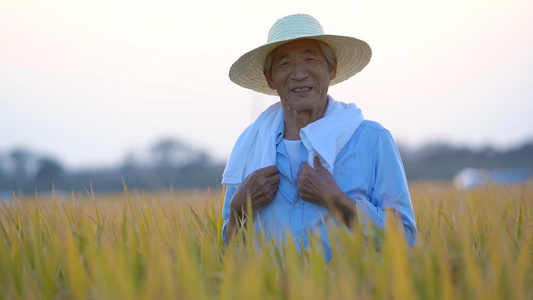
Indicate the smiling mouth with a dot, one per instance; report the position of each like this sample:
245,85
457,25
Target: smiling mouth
300,90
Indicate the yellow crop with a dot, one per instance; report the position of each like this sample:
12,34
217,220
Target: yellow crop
475,244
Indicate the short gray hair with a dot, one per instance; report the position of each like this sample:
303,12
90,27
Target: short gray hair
326,49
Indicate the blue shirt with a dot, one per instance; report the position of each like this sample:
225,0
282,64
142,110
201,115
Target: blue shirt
368,169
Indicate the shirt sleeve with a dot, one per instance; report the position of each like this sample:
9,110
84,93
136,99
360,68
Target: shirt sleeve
390,190
225,210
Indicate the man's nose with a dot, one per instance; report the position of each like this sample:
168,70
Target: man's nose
299,71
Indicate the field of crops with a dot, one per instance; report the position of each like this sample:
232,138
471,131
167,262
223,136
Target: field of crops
475,244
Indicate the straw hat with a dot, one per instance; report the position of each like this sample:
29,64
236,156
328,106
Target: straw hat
352,54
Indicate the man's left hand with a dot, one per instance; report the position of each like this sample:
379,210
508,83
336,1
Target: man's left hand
317,185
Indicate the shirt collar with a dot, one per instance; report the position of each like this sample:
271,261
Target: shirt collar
280,132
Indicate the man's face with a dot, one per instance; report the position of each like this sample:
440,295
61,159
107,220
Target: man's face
301,75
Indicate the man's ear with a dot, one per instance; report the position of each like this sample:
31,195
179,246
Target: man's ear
333,70
269,81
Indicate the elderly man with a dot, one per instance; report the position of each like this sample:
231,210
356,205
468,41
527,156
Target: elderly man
309,161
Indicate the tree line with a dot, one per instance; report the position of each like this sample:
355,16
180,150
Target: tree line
442,161
170,162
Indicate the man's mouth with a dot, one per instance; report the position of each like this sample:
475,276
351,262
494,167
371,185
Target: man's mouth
302,89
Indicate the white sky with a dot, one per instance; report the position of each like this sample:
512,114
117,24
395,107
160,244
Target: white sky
89,81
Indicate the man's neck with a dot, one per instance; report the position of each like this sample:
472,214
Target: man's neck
296,120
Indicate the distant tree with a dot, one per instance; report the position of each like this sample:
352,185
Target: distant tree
405,152
129,162
171,153
488,153
50,172
20,159
525,150
442,152
1,171
164,151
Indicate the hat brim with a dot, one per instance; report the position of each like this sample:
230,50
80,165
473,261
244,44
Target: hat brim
352,56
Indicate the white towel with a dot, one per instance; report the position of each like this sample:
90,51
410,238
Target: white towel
325,138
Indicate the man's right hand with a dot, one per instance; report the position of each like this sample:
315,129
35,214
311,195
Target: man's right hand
258,189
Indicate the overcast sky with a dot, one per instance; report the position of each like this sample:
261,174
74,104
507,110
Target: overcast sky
89,81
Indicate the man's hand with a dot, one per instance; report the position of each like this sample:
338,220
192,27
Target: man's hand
258,189
318,186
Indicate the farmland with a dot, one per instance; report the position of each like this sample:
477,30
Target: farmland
472,244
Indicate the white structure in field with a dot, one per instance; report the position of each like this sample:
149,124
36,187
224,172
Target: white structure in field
470,177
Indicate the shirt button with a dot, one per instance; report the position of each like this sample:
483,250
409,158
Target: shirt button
295,238
297,205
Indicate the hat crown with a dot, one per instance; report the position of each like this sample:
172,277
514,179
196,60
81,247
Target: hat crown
293,27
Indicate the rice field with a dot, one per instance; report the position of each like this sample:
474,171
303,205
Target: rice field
474,244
